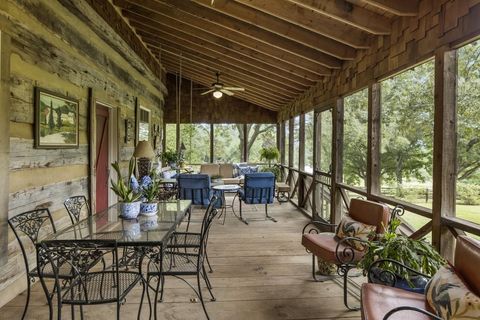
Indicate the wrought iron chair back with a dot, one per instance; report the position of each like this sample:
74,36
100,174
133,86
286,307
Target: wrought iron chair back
74,206
79,256
210,214
29,224
90,281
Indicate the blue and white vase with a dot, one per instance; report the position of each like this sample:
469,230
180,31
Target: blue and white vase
148,208
130,210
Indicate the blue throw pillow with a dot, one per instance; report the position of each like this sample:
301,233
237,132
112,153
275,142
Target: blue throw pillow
244,170
253,169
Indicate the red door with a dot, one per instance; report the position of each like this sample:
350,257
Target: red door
102,164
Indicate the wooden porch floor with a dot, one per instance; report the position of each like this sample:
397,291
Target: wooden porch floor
261,271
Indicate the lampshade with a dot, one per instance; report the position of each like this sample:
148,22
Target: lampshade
217,94
144,150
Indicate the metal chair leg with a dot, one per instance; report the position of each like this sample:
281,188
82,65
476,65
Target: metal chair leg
313,269
266,214
345,289
27,302
162,279
141,299
201,297
208,262
241,217
156,298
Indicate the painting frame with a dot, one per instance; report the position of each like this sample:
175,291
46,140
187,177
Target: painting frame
59,131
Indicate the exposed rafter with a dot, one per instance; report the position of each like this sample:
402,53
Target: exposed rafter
350,14
262,20
397,7
308,19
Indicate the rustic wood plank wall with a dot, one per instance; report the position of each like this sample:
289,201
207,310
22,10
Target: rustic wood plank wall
66,47
413,39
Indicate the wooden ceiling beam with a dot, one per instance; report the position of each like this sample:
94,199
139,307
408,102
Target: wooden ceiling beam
306,69
242,95
191,47
241,79
188,17
222,64
311,20
261,74
257,19
351,14
227,81
407,8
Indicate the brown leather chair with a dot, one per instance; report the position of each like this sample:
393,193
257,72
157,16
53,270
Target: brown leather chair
378,300
331,249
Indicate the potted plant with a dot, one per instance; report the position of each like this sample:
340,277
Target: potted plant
270,154
418,255
149,187
128,196
170,158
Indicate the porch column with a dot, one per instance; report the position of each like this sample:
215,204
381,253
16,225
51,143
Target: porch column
444,149
374,139
337,161
4,142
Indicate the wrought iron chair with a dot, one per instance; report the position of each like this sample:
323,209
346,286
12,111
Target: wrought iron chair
74,206
89,283
381,299
329,248
176,263
258,188
29,224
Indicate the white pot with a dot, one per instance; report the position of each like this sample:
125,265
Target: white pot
130,210
148,208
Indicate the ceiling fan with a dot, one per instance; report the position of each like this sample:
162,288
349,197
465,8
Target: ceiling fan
219,89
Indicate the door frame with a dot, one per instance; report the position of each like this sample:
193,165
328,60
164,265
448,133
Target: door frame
113,147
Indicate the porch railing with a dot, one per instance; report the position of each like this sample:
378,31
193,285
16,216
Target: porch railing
311,194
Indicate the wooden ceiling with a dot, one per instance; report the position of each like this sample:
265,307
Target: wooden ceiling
275,49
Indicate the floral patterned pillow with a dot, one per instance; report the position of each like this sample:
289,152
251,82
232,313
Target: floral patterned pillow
349,227
450,298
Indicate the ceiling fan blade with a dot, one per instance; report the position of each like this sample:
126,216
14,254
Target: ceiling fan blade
207,92
227,92
234,88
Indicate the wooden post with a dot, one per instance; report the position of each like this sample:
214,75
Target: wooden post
4,142
301,158
290,142
374,139
337,161
444,149
212,145
281,146
92,150
245,142
279,138
316,199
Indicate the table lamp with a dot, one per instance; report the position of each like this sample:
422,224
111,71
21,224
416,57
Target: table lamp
144,153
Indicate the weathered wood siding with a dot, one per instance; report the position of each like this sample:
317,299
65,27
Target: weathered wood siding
439,24
207,109
66,47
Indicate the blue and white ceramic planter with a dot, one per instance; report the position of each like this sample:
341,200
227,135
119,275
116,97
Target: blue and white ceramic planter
148,223
132,229
130,210
148,208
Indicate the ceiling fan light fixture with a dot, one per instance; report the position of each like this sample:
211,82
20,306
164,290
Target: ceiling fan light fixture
217,94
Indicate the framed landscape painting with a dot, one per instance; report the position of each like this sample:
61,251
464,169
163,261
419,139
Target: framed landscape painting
56,120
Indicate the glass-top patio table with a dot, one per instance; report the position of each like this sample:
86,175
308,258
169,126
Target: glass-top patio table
143,231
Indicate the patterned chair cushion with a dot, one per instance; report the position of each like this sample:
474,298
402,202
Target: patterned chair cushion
450,298
349,227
